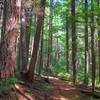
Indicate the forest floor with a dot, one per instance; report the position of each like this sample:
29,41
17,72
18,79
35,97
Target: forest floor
55,89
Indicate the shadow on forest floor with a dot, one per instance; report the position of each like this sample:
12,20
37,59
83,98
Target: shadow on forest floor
39,89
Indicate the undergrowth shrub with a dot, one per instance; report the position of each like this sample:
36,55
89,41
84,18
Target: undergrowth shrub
7,84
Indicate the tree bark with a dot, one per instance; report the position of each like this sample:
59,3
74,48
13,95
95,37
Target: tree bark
9,43
22,47
40,19
74,50
98,4
86,68
41,52
67,45
24,38
49,60
4,19
93,58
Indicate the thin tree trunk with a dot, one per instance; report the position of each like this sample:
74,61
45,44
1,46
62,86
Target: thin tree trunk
73,41
49,53
9,43
23,52
93,48
28,28
4,19
67,45
86,45
50,27
22,41
40,19
98,4
57,56
24,38
41,52
50,36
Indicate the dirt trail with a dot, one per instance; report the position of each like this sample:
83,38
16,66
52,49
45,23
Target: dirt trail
67,91
63,90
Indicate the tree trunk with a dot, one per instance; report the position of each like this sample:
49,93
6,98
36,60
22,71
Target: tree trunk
4,19
49,60
67,45
26,18
86,45
28,28
40,19
49,51
41,52
22,48
73,41
9,43
93,48
98,4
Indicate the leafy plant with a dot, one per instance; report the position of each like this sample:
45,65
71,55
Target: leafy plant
65,76
8,84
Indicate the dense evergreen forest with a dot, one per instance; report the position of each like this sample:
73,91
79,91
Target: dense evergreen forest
49,49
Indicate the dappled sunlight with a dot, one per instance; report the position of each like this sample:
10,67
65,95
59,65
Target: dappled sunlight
26,97
60,98
68,88
63,90
53,78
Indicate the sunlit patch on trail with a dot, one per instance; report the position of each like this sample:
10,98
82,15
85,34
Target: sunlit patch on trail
62,98
68,89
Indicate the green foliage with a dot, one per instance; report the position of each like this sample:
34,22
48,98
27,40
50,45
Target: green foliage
96,94
80,75
8,84
64,76
56,69
59,70
98,38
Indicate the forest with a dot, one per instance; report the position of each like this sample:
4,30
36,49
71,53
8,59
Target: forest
49,49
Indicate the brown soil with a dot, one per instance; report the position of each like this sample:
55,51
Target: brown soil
60,90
